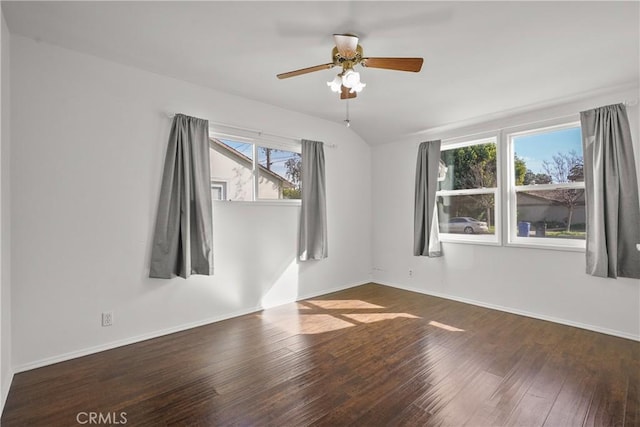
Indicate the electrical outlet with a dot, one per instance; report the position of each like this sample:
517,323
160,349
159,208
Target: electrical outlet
410,274
107,318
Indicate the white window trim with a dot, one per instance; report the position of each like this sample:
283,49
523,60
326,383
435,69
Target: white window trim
222,184
263,202
511,190
479,239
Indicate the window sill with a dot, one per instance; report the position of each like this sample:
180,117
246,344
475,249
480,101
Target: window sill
487,240
492,241
546,246
260,202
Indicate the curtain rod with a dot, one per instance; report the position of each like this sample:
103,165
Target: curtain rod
258,132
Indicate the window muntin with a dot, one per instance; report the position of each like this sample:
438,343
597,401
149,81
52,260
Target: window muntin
467,199
546,187
253,172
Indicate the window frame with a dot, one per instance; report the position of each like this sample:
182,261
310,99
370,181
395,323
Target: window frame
479,239
222,185
511,189
257,140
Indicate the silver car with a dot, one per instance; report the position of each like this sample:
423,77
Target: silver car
465,224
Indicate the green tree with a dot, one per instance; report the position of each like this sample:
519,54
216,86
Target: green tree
520,170
294,169
536,178
293,172
475,166
291,193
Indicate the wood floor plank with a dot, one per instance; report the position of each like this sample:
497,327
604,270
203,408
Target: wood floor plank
366,356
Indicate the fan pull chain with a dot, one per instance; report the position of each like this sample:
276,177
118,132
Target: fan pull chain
347,121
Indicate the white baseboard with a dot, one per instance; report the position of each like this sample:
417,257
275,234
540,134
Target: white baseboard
4,393
561,321
155,334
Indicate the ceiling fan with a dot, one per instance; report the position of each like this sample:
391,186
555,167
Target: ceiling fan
346,54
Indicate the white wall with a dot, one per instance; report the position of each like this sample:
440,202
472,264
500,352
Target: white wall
541,283
89,138
6,371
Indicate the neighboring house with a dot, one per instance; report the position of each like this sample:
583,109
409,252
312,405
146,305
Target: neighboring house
532,207
544,206
231,177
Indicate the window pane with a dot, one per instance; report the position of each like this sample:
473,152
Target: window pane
467,214
232,162
548,157
279,174
551,214
469,167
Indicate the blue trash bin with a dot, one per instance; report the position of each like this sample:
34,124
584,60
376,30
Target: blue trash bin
524,228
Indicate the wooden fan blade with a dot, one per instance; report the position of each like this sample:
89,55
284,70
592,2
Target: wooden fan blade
305,71
345,94
400,64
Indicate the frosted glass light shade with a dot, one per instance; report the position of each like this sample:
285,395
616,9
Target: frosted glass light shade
351,79
358,87
335,84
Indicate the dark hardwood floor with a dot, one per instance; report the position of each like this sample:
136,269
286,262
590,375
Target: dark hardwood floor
368,356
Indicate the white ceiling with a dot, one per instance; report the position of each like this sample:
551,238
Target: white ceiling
480,57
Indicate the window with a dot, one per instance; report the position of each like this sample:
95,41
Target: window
218,190
243,170
546,187
468,196
526,184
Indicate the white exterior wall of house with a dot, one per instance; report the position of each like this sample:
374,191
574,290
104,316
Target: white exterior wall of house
533,209
237,177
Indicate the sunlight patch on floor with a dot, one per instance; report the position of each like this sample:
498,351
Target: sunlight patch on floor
343,304
306,323
377,317
445,326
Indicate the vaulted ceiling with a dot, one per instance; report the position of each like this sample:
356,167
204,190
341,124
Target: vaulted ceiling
480,57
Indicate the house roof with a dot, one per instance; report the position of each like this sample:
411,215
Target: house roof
548,196
237,154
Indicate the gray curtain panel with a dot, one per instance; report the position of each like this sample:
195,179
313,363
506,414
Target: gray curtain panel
183,239
613,212
313,215
426,240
